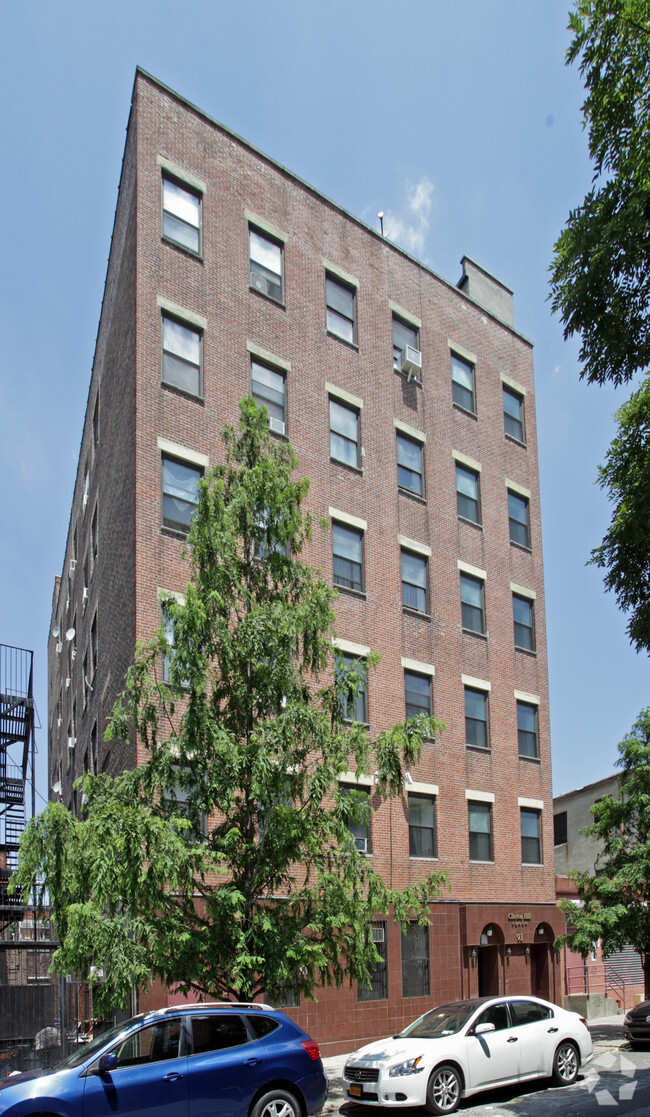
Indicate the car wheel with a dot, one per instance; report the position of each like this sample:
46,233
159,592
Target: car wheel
277,1103
566,1064
444,1090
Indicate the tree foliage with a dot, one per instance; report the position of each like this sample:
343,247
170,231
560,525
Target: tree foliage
600,276
617,900
225,863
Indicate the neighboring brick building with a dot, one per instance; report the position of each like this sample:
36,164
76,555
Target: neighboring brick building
228,274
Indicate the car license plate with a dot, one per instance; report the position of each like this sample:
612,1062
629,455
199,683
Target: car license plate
356,1091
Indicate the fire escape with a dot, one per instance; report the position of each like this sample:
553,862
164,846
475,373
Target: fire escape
16,736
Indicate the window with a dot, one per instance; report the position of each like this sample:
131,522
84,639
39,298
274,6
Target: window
266,265
480,831
93,644
269,390
181,215
472,599
414,581
518,519
359,826
93,535
341,309
354,706
85,681
529,1012
348,556
218,1031
344,433
403,335
560,829
513,414
467,494
417,694
409,465
524,619
177,801
496,1015
378,990
531,836
422,826
462,383
96,422
527,729
182,356
415,961
180,483
476,718
93,747
151,1044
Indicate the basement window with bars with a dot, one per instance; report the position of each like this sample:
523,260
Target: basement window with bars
378,990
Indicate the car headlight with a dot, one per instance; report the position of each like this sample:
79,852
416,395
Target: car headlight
410,1066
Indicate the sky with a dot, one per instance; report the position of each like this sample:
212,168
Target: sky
460,121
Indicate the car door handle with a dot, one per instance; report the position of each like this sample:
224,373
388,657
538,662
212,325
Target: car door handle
512,1039
173,1076
553,1029
251,1062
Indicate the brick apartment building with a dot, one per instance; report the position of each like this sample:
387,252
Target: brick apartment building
410,404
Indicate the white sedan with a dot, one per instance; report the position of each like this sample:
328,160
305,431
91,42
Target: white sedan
462,1048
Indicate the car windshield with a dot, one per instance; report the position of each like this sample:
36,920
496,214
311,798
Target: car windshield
86,1050
443,1021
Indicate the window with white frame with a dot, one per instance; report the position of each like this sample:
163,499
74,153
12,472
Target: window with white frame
266,265
181,214
269,391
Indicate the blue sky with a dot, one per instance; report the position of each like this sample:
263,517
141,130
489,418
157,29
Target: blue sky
460,121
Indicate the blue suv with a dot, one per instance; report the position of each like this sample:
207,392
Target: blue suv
214,1060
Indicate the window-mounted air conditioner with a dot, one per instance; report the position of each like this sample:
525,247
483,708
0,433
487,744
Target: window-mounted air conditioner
59,647
59,722
84,596
72,742
411,362
84,501
361,844
73,565
67,683
276,425
73,654
259,282
378,934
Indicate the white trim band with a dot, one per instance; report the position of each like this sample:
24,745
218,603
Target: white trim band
522,591
415,665
522,696
421,788
181,174
265,226
413,545
265,355
478,684
406,315
509,383
338,273
360,650
346,518
354,777
412,432
479,796
461,352
513,487
182,312
462,459
533,804
183,453
340,393
475,571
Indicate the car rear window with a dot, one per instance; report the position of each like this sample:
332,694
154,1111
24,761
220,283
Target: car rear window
262,1025
216,1031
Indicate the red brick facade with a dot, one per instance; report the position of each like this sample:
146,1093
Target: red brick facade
136,557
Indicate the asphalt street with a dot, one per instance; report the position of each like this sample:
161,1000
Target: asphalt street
617,1081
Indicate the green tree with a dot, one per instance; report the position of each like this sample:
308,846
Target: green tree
600,276
225,863
617,900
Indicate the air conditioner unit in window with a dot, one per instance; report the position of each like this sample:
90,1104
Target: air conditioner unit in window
72,742
259,283
67,683
73,565
84,596
85,501
59,722
73,654
361,844
276,425
411,362
59,647
378,934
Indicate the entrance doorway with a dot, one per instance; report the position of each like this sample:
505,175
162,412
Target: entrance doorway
539,971
488,971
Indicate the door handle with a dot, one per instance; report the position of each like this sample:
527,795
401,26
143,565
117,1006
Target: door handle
553,1029
512,1039
252,1062
173,1076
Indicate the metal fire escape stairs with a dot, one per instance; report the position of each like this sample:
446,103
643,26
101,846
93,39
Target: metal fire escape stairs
16,736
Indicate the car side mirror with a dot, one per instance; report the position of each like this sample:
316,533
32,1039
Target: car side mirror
481,1029
106,1062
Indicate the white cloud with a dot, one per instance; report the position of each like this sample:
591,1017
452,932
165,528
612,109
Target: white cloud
411,229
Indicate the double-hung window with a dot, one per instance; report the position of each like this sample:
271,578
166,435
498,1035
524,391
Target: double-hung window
476,718
341,303
181,222
359,826
269,391
182,357
472,598
404,335
266,265
523,609
422,826
462,383
513,414
354,705
344,433
415,961
180,486
480,831
518,518
414,581
417,693
468,502
348,556
531,836
409,464
527,732
378,990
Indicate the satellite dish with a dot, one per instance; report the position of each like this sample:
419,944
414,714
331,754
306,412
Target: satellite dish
56,787
69,635
56,632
